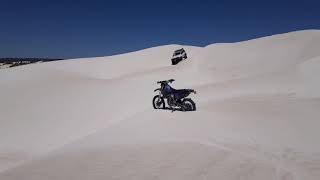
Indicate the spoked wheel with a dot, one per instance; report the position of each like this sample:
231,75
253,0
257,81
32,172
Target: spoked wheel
188,105
158,102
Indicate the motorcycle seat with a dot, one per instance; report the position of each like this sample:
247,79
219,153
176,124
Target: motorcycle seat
180,93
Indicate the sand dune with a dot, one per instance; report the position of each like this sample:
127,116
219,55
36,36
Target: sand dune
257,114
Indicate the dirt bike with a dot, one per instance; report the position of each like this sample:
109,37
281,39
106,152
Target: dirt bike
176,98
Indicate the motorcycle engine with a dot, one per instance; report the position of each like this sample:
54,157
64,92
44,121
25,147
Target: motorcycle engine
171,100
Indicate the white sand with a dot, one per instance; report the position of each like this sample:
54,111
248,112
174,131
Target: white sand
257,114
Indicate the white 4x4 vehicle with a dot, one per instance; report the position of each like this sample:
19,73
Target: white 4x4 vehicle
178,56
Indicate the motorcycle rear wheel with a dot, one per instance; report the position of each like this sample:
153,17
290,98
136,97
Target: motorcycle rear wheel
188,105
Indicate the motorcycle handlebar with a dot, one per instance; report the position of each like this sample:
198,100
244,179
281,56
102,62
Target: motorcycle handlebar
166,81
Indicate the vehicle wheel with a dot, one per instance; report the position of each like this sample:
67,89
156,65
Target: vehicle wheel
158,102
175,61
188,105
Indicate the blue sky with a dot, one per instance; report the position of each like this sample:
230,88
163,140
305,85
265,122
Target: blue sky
70,29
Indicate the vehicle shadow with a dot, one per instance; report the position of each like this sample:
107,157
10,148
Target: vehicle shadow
174,109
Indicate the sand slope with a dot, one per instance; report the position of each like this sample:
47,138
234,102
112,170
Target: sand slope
258,114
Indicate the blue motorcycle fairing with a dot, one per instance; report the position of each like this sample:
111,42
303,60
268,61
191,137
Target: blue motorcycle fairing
178,93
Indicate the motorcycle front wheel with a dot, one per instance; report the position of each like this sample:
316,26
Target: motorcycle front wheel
158,102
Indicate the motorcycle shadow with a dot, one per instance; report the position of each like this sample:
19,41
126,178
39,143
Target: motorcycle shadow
174,109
